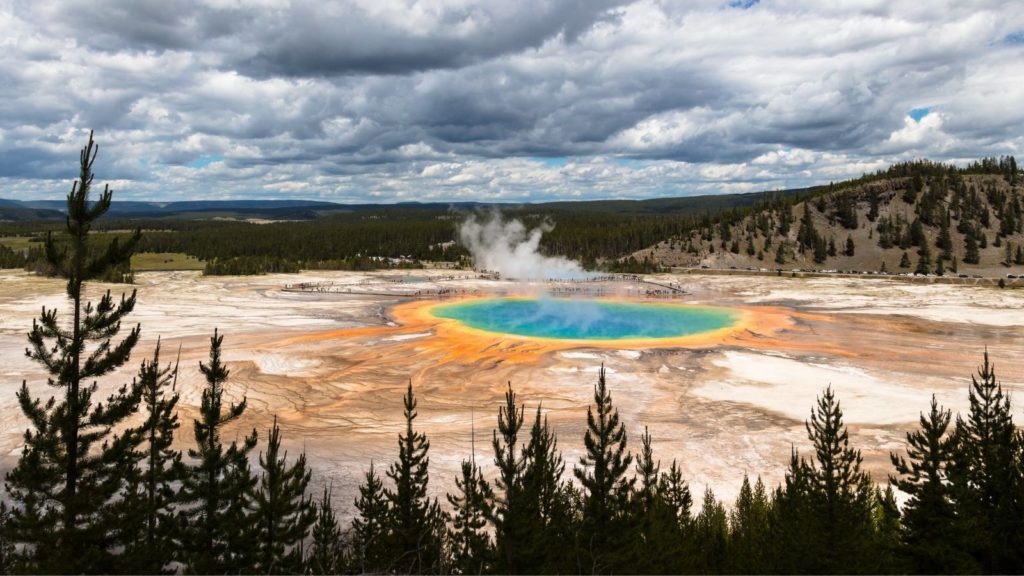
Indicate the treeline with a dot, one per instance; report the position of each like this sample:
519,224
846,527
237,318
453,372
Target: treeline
370,239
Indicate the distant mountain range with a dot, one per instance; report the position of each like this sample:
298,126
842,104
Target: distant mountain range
30,210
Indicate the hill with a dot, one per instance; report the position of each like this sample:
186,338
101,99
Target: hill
962,220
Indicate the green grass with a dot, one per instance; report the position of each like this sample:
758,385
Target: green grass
149,261
17,243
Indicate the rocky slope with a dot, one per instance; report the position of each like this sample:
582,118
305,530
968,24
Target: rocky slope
969,220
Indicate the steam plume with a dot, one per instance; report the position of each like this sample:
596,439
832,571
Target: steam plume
508,248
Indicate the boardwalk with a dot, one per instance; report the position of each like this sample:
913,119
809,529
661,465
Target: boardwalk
596,286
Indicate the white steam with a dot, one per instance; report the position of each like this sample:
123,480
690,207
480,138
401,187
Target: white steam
508,248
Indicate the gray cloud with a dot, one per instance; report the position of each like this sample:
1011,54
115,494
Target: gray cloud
458,99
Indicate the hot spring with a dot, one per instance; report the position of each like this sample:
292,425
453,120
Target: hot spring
585,319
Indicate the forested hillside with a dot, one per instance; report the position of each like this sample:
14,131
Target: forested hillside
918,217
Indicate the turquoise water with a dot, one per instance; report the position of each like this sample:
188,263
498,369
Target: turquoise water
576,319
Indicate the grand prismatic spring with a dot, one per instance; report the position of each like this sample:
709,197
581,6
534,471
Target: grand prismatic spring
724,374
586,319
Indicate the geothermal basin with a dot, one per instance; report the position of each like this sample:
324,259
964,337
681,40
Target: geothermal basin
723,376
586,319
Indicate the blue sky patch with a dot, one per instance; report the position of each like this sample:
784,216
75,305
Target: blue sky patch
918,113
205,160
743,4
1015,38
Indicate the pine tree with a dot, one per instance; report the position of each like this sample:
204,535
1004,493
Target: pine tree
369,528
471,544
971,254
944,241
547,508
645,499
917,237
326,552
910,193
840,494
785,220
217,534
929,516
924,262
749,528
875,203
905,260
283,510
807,236
887,531
796,535
668,543
148,525
71,466
820,250
601,472
648,472
986,476
511,525
711,532
676,493
780,253
851,248
412,519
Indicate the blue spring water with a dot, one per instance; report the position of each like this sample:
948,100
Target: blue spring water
577,319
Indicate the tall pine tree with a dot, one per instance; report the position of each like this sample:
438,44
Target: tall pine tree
72,465
548,510
930,542
987,477
218,532
602,473
749,528
283,510
412,520
471,544
511,525
841,493
148,525
369,527
710,533
326,550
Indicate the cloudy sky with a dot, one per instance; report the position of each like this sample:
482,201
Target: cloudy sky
498,100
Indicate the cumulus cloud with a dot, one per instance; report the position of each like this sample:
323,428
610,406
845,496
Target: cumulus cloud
923,133
404,100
